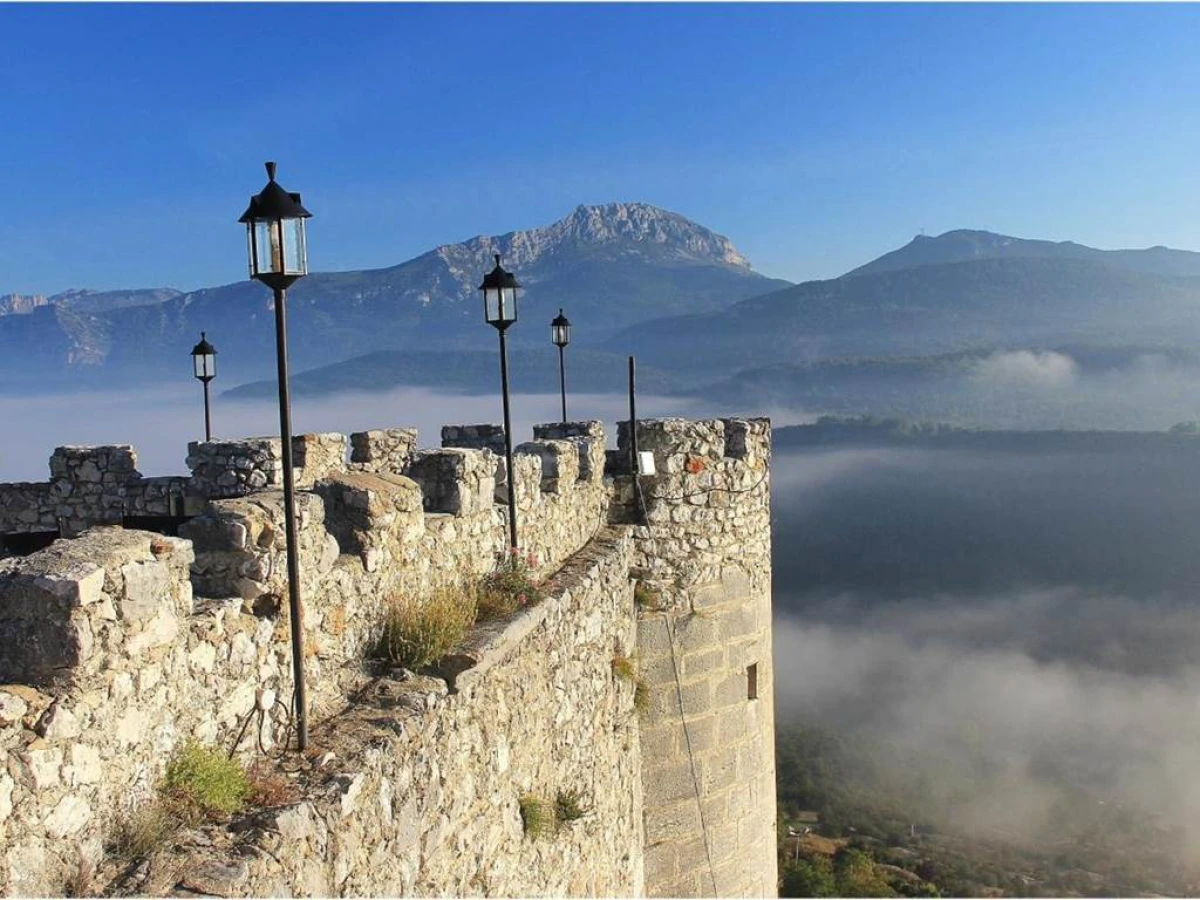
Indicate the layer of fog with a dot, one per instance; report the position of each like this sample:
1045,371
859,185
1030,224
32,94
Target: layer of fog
1009,733
1032,389
1026,367
1011,389
159,422
1025,701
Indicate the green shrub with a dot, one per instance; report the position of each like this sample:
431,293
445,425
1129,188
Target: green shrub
537,816
417,634
508,587
203,782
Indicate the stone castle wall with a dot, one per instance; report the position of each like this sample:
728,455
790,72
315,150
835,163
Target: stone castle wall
122,644
702,546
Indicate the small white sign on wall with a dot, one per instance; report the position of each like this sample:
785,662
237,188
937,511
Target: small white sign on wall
645,462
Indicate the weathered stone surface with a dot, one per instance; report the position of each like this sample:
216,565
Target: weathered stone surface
383,451
12,708
416,788
704,548
217,879
68,817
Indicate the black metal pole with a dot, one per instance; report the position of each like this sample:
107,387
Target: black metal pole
633,447
633,442
508,456
289,515
562,382
207,418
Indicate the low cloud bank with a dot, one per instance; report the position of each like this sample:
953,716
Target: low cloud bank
1027,367
1014,707
1015,631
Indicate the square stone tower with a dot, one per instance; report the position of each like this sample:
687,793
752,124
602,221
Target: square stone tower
703,560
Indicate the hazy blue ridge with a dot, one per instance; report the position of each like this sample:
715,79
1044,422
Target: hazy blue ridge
608,266
931,309
963,245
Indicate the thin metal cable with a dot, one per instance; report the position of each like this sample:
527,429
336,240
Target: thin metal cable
691,755
717,490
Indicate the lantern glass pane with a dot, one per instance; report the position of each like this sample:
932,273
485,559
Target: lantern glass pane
561,334
491,304
204,365
268,254
295,253
508,304
278,247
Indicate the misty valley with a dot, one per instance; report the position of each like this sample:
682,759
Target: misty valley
988,653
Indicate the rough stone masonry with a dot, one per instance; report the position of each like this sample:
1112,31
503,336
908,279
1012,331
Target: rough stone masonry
118,645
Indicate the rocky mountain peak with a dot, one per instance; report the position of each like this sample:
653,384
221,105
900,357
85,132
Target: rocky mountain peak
631,228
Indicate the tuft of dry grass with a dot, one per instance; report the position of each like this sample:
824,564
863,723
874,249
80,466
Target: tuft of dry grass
624,668
143,832
568,806
268,787
508,587
646,598
537,816
641,695
417,633
81,882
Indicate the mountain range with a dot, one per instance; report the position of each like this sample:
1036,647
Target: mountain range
634,279
610,266
960,291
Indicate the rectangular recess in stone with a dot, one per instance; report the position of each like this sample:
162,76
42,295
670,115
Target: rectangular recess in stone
752,681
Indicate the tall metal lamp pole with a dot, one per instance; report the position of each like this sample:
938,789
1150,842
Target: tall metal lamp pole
500,310
274,223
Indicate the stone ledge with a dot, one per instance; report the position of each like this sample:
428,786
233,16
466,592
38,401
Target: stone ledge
493,642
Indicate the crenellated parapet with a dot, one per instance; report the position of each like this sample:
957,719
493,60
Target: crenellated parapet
88,486
120,644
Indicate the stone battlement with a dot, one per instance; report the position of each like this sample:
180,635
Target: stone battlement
118,644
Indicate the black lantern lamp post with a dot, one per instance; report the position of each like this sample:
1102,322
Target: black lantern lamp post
560,334
500,309
274,223
204,368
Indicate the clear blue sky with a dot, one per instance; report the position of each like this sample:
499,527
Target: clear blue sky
815,137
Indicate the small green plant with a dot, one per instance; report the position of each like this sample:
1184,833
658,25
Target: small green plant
641,695
646,598
509,587
626,669
142,832
202,783
623,667
417,634
537,816
568,806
